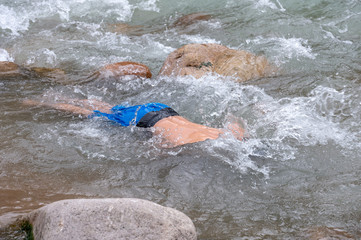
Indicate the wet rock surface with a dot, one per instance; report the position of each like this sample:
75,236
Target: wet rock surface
120,69
10,69
13,70
125,218
191,19
53,74
327,233
126,29
200,59
180,23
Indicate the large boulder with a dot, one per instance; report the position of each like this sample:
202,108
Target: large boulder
124,218
199,59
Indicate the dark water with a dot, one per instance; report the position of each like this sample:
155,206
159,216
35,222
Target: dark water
300,169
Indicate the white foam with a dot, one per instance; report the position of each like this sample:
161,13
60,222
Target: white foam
4,56
197,38
88,131
296,47
154,47
58,7
303,120
266,3
14,20
150,5
119,8
18,19
286,48
213,24
261,4
236,154
277,127
43,57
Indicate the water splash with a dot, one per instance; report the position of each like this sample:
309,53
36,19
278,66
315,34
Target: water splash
43,57
14,20
285,49
315,119
150,5
4,56
261,4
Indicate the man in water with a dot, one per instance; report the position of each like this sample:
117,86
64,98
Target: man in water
166,123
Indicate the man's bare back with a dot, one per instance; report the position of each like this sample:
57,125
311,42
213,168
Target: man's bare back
173,130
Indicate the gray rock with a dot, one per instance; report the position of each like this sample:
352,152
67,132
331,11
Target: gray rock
118,218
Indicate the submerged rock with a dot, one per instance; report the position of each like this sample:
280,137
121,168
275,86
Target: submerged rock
10,69
325,233
125,218
126,29
199,59
120,69
139,30
191,19
54,74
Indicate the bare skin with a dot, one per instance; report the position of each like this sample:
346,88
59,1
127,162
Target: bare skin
173,131
176,131
82,107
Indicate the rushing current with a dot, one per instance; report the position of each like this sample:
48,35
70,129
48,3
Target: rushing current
300,168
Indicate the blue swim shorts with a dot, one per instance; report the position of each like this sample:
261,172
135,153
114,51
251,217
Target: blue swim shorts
146,115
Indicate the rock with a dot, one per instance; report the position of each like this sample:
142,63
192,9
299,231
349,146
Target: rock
326,233
241,64
10,69
120,69
191,19
199,59
126,29
139,30
54,74
117,218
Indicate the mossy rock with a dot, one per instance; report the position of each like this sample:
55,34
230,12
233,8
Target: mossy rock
20,229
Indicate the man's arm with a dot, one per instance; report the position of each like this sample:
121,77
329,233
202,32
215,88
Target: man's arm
60,106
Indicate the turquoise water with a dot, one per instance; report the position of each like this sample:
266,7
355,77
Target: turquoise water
300,169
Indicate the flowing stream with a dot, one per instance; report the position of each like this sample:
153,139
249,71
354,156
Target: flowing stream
300,168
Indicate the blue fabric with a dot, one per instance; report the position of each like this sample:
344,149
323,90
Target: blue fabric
127,116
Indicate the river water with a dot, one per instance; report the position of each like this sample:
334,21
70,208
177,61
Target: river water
300,169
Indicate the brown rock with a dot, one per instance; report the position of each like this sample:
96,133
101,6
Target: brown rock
56,74
139,30
192,18
241,64
199,59
125,68
9,69
326,233
126,29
